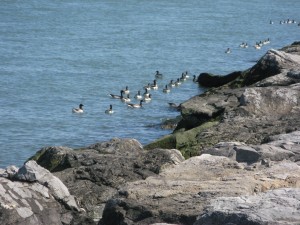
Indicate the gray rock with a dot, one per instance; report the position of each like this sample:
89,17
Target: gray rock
96,173
246,154
280,207
274,153
31,172
181,192
9,172
294,74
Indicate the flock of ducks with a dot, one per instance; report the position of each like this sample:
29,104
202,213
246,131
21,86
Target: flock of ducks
143,97
146,96
258,45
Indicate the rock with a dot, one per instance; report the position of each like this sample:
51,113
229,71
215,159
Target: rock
274,153
178,194
294,74
267,106
37,197
255,209
210,80
32,172
226,149
294,48
9,172
94,174
270,101
272,63
246,154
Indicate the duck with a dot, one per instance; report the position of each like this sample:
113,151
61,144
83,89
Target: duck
135,106
166,89
183,77
126,90
195,78
125,99
146,93
116,96
148,87
110,110
78,110
267,41
154,86
186,74
147,98
257,46
244,45
138,95
158,75
177,83
228,51
171,84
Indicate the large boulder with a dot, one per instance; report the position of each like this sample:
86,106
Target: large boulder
95,173
272,63
255,209
182,192
32,195
211,80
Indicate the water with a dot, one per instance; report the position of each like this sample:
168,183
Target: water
57,54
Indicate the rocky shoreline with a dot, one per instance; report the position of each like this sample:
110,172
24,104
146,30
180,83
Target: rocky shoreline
234,158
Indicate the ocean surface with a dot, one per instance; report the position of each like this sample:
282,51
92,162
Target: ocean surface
55,55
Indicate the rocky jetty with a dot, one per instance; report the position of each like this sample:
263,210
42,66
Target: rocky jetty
234,158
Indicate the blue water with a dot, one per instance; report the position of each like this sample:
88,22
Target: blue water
57,54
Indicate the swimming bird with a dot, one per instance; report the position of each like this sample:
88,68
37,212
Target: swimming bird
186,74
177,83
267,41
146,93
257,46
154,86
166,89
171,84
135,106
148,87
78,110
148,98
183,77
244,45
228,50
126,90
125,99
116,96
110,110
195,78
138,95
158,75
